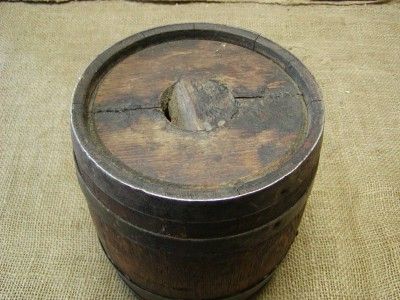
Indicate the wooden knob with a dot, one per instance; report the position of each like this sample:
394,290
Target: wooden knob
198,105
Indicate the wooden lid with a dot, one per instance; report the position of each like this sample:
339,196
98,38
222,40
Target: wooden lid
196,111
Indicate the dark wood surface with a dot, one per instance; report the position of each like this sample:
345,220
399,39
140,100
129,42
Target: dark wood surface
191,268
196,146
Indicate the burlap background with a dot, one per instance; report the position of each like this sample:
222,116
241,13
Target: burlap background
349,241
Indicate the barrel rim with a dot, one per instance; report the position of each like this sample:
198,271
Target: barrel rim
295,69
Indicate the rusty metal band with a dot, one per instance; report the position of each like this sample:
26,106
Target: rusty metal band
225,244
193,211
197,229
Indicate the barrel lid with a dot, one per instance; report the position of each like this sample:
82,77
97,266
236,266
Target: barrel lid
197,111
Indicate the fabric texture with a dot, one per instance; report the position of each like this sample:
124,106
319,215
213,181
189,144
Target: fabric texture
348,245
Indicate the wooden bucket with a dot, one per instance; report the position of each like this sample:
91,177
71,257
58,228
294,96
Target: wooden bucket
196,146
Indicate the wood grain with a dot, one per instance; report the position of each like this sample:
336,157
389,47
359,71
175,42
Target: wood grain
264,119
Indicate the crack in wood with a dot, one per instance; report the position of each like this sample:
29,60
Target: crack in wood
248,97
124,109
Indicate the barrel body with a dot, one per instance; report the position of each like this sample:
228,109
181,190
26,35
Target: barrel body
177,241
190,268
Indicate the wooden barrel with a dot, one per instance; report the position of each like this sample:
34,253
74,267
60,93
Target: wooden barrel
196,146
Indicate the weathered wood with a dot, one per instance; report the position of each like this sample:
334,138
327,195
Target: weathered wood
196,146
198,105
267,114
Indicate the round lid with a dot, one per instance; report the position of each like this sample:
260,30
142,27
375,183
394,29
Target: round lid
197,111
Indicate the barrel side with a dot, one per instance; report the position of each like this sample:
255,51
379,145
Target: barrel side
192,268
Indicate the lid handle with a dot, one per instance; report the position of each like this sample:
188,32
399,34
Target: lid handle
198,105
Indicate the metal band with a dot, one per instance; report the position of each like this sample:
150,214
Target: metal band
195,230
149,295
150,239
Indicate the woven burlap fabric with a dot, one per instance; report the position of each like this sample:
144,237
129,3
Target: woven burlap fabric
348,245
